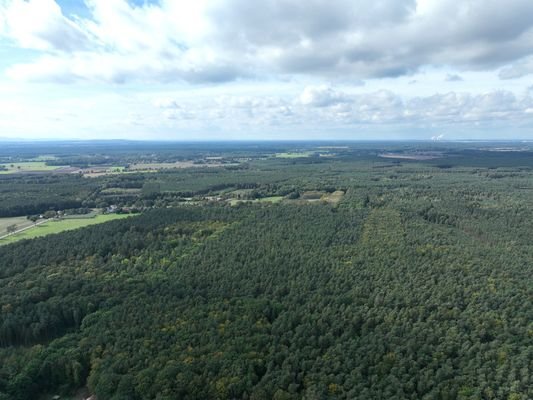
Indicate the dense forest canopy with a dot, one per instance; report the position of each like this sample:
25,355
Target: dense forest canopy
347,273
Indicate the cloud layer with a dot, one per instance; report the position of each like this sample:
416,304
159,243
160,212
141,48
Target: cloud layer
224,40
326,105
248,69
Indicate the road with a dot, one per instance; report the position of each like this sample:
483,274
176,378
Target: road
24,229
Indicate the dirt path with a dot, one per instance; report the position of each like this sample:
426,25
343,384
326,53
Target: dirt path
23,229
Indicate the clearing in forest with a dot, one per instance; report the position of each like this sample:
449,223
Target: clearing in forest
33,166
20,222
57,226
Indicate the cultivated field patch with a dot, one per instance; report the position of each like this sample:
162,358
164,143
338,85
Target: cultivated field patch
302,154
20,222
57,226
33,166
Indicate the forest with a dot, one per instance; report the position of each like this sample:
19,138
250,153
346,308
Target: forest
414,282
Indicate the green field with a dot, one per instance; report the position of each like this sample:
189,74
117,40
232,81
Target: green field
271,199
33,166
57,226
44,157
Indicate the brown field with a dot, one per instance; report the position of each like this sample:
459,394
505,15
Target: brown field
333,198
21,222
412,156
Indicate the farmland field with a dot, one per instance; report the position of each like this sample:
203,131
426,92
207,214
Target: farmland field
57,226
33,166
44,157
20,222
302,154
270,199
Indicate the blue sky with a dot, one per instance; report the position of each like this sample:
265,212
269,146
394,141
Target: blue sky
275,69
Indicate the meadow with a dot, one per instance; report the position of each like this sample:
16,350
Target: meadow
20,222
30,166
57,226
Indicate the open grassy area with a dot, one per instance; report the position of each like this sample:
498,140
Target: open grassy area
21,222
271,199
44,157
57,226
333,198
311,196
33,166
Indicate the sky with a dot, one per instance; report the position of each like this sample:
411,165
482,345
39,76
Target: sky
267,70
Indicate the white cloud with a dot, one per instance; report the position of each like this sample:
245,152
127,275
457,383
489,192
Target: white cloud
285,64
222,40
179,115
325,105
166,103
321,96
454,78
517,70
388,38
119,43
40,25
